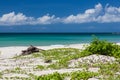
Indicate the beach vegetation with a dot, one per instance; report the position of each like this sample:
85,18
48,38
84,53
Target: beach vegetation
18,68
77,75
59,53
54,76
63,56
109,69
1,74
35,55
84,75
112,78
104,48
40,67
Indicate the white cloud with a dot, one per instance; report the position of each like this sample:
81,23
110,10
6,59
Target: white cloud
112,14
46,19
89,15
97,14
20,19
13,19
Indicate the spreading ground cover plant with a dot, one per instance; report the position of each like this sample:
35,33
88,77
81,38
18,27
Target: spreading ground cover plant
82,75
109,69
63,56
112,78
59,53
54,76
78,75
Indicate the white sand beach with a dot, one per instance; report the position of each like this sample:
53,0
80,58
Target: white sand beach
7,62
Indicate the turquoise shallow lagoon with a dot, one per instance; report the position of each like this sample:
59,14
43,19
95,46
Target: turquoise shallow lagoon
46,39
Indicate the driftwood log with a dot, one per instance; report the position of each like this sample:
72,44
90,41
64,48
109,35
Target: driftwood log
31,50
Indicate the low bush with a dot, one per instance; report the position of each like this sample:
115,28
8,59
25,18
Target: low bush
104,48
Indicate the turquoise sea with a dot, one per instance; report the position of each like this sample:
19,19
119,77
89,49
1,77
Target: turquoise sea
45,39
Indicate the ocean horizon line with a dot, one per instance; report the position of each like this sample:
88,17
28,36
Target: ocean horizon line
59,32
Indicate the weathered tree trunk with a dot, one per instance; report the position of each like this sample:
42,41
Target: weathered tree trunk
31,50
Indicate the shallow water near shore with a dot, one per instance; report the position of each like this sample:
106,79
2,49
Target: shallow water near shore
47,39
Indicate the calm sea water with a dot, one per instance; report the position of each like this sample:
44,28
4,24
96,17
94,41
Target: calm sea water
17,39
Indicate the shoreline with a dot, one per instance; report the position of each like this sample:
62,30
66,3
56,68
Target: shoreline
12,51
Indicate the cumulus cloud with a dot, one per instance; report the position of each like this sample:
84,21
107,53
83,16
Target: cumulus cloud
12,18
98,14
46,19
89,15
21,19
112,14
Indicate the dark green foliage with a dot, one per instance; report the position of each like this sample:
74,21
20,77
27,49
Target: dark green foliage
104,48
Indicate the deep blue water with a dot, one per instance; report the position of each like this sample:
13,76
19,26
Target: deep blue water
43,39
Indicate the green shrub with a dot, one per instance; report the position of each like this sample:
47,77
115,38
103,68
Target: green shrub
104,48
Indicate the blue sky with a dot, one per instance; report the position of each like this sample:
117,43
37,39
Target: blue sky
59,16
